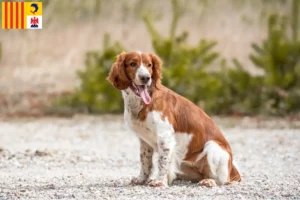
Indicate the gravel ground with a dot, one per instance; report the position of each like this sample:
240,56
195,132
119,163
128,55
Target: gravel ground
95,158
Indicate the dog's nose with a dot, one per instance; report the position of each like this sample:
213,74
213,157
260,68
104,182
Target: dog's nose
145,78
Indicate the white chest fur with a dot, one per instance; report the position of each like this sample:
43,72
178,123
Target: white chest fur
154,128
132,106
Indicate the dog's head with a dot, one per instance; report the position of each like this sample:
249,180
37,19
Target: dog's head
137,71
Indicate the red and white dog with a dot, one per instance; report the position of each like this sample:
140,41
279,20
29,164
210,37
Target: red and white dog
189,145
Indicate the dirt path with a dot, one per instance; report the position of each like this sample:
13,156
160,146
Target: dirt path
94,158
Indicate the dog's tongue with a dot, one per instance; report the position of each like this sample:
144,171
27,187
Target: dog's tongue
144,94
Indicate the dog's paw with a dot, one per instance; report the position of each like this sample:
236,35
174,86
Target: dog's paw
138,181
157,183
208,183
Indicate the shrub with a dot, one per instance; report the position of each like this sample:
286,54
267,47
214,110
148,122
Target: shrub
184,71
184,67
95,94
279,57
232,94
277,91
227,90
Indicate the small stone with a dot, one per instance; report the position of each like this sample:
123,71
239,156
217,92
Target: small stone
41,153
51,186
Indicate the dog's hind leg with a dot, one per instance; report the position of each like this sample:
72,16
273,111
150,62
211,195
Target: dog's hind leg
213,162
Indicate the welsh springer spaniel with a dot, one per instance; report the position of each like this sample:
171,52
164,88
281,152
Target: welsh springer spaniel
189,145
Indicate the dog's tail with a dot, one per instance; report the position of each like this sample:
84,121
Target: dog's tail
235,174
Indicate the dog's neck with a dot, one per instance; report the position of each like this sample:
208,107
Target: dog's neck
132,103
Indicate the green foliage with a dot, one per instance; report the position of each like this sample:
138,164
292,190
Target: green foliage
95,94
231,95
184,66
228,89
279,57
277,91
186,70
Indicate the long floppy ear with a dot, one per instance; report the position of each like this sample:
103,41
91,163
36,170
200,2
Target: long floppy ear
117,76
156,76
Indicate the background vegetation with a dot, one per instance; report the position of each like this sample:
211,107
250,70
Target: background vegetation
196,64
227,89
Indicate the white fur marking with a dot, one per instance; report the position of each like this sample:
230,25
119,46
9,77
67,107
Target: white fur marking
146,153
157,133
165,145
217,160
142,71
133,105
179,153
182,142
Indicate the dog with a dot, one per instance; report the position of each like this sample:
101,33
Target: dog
188,143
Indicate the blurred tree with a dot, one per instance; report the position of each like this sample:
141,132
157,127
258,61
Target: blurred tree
279,57
95,94
184,69
277,91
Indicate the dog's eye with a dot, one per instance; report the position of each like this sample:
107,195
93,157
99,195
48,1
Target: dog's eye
133,64
149,65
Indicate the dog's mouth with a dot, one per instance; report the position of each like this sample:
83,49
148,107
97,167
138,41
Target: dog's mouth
141,91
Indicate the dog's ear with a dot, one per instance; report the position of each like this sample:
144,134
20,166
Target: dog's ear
157,67
117,75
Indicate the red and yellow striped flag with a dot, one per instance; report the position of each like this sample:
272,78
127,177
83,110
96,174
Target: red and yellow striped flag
22,15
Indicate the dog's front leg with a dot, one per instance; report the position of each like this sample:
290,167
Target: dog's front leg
166,144
146,153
